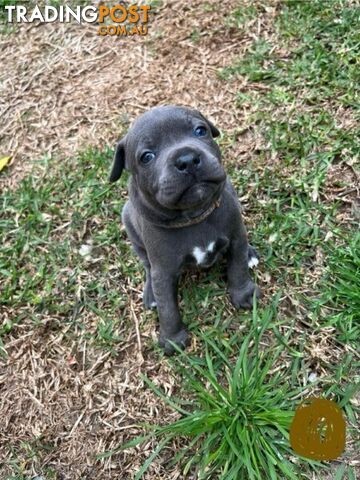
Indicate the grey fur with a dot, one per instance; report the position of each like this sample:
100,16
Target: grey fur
178,186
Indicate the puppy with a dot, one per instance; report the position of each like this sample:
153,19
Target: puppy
182,210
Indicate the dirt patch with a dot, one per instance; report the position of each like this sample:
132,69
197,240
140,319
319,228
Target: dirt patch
67,88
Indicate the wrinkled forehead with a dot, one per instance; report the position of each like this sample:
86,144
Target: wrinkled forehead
159,124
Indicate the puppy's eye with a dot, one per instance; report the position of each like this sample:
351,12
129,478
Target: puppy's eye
147,157
200,131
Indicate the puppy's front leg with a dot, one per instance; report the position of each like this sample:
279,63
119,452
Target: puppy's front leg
241,287
171,327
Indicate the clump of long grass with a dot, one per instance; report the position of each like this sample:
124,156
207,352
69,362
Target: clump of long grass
237,412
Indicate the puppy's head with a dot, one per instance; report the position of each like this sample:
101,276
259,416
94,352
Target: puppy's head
173,157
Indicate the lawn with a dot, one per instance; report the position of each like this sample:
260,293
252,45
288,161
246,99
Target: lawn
85,390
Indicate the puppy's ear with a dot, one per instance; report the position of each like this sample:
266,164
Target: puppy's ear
214,131
119,161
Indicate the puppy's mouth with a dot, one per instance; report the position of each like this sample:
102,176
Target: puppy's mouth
196,195
199,192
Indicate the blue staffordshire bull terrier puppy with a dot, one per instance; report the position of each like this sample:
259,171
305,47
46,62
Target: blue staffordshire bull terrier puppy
182,210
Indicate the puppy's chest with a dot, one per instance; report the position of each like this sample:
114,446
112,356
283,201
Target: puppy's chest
206,256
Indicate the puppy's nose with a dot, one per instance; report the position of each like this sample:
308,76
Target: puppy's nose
187,161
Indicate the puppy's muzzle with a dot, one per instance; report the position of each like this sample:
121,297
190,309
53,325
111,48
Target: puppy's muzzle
188,162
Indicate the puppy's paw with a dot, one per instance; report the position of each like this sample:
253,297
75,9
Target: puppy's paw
253,257
244,296
181,338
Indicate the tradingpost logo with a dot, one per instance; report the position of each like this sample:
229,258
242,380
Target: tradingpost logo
120,19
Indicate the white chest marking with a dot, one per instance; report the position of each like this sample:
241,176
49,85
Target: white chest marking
200,253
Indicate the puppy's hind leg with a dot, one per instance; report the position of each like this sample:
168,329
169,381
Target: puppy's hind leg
148,294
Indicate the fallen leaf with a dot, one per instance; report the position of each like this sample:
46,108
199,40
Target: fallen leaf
3,162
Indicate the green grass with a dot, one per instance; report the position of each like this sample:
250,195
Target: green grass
339,292
322,37
5,27
240,16
306,87
43,226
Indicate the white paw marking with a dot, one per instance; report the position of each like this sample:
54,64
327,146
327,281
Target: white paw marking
153,304
253,262
210,247
199,255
